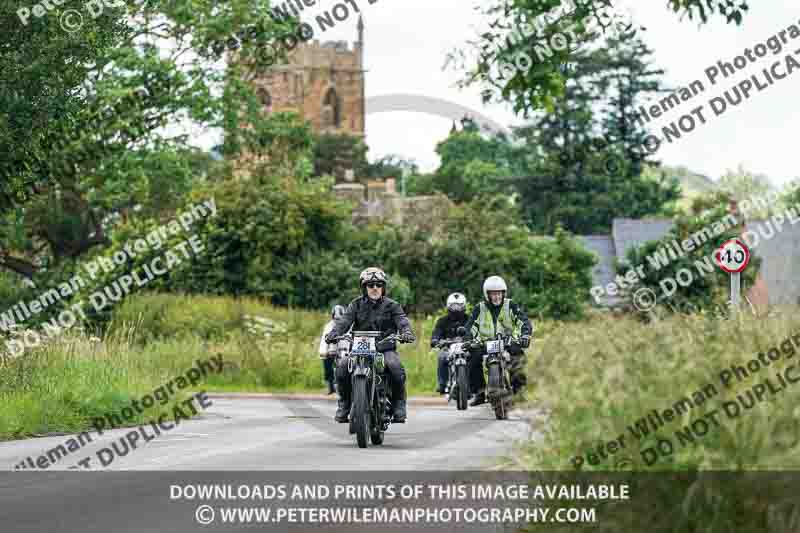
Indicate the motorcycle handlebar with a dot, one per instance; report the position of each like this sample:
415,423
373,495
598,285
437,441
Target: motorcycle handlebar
393,337
507,339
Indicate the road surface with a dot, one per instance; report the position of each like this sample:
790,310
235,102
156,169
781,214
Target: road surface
272,434
236,441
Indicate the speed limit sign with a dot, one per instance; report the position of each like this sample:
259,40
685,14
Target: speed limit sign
733,256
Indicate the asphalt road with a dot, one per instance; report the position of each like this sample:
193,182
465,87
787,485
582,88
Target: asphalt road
279,434
253,441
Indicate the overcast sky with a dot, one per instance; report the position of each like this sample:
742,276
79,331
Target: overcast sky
407,43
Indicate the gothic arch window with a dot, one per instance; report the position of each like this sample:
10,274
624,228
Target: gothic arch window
265,98
331,110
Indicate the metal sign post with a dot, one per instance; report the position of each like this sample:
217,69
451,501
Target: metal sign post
732,257
736,289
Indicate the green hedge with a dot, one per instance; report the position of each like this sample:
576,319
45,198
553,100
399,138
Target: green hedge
292,243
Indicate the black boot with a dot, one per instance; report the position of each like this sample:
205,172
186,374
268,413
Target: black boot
478,400
331,387
343,411
399,412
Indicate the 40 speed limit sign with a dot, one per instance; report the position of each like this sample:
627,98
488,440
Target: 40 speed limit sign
733,256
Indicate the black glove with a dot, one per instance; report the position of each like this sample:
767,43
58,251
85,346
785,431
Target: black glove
525,341
407,336
330,338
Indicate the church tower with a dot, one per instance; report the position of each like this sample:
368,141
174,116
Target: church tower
323,83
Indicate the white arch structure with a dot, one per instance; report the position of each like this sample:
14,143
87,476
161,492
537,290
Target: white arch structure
430,106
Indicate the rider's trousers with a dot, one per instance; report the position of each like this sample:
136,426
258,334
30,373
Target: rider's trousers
393,366
477,381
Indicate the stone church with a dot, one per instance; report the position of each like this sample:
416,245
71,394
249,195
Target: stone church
324,84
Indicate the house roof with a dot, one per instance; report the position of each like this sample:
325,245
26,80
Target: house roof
603,270
625,234
630,232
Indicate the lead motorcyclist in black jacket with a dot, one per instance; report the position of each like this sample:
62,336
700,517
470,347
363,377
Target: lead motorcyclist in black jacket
373,311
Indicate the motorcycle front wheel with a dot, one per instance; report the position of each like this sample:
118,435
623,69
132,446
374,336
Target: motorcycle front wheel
498,399
461,383
376,434
360,416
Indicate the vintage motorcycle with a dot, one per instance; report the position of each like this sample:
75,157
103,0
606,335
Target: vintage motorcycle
497,361
458,359
371,405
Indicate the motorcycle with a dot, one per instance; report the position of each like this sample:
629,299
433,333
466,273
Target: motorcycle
458,360
371,405
497,360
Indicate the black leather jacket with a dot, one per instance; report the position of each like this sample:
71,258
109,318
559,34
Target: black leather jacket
446,327
384,315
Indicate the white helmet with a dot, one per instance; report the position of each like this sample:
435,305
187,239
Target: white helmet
457,302
373,274
494,283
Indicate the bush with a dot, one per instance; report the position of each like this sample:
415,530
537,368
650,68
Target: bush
551,277
291,243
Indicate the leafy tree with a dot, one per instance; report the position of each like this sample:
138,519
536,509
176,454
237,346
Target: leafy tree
391,166
742,184
85,149
626,77
471,162
574,176
420,184
538,82
334,152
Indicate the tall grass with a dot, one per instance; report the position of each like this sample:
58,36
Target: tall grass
596,379
153,338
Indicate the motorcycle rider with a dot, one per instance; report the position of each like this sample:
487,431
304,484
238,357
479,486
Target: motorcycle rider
373,311
446,329
498,314
327,352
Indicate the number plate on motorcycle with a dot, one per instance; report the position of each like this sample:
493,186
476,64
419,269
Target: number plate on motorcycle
455,348
363,345
494,346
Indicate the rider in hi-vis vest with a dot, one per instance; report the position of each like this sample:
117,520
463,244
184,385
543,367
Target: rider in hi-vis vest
498,314
484,327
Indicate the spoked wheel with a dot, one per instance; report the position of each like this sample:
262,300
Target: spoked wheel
376,433
376,437
461,383
360,415
499,399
